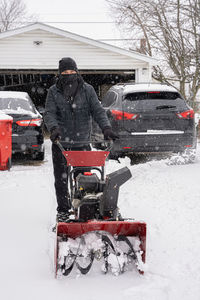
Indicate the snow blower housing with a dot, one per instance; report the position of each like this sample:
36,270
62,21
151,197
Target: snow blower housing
94,199
108,203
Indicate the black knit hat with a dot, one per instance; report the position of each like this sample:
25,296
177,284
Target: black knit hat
67,63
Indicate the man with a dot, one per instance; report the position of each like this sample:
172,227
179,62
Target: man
70,105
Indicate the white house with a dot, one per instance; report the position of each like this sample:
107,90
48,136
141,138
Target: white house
30,54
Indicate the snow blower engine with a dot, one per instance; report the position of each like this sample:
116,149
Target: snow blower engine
97,229
96,198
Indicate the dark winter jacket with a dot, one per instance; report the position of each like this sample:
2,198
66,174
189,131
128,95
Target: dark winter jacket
74,119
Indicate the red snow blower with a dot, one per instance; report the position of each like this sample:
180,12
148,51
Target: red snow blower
97,232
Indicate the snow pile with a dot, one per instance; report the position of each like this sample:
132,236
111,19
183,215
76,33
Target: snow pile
187,157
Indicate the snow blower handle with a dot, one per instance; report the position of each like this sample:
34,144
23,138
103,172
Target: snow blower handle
70,144
59,145
108,144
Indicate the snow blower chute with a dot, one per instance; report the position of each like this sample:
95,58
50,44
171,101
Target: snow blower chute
97,231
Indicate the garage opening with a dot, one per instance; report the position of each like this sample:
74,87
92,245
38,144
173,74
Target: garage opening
37,83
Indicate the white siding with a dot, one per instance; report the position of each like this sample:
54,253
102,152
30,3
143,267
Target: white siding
20,52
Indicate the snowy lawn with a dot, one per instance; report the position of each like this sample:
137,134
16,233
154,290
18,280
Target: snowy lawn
166,197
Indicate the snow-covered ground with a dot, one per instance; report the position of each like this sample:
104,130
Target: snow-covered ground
166,196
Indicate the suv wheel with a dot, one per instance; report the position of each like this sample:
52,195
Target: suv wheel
39,156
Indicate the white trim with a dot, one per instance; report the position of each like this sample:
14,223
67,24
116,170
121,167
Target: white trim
42,26
156,132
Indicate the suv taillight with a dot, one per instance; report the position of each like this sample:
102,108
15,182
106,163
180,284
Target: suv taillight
119,115
33,122
188,114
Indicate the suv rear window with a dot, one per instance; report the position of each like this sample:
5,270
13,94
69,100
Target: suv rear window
152,95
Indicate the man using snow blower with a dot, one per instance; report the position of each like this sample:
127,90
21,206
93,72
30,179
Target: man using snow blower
70,105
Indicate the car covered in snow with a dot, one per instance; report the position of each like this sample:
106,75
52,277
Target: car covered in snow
148,118
27,133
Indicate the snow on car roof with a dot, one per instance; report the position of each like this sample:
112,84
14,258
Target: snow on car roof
145,87
14,94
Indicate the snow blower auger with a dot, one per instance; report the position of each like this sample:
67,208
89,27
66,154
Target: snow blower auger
97,232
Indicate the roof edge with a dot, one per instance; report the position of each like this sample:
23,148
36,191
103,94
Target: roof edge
55,30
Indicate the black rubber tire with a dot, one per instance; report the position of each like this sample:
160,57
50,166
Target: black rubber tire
9,164
39,156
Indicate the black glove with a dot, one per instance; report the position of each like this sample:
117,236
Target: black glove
109,134
55,134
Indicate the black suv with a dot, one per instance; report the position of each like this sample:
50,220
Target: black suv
27,133
148,118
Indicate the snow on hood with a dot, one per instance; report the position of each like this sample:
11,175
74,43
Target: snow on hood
4,116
